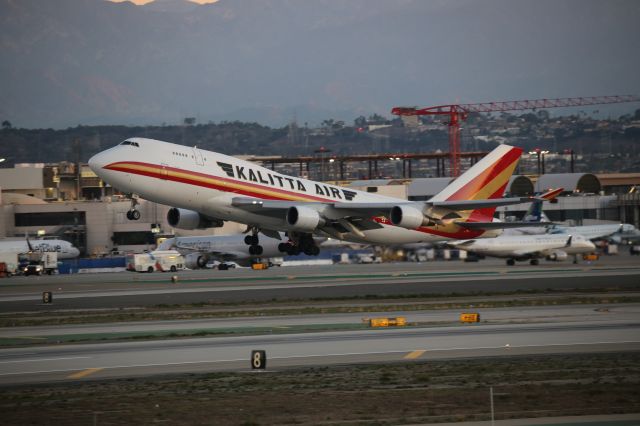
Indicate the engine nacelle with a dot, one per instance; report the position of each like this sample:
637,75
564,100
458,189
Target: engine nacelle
557,256
301,218
196,260
188,219
407,216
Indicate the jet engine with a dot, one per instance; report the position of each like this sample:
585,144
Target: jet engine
300,218
196,260
188,219
557,255
407,216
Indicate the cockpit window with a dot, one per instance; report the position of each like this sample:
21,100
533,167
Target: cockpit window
130,143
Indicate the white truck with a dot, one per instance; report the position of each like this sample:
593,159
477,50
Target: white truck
41,263
159,260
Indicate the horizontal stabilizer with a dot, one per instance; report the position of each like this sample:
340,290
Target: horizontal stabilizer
479,204
500,225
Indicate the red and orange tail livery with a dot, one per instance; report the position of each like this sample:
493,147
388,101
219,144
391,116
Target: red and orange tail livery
487,179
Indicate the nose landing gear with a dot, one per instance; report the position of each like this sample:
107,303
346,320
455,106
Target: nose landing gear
133,213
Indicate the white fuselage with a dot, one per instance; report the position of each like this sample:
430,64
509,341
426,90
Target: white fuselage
206,182
591,232
64,249
222,246
527,246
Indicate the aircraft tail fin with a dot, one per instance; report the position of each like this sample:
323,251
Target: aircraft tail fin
535,213
487,179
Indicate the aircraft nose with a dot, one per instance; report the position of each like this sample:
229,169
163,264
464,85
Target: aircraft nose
75,252
97,162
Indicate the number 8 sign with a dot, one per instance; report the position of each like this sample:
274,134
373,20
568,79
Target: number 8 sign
258,360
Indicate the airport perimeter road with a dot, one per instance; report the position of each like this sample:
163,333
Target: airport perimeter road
133,359
131,289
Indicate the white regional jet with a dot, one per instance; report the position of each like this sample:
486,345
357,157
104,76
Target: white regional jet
207,188
65,249
528,247
199,250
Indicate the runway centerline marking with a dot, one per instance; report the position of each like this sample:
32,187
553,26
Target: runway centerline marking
84,373
414,354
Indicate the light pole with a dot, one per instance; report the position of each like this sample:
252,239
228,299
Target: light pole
540,153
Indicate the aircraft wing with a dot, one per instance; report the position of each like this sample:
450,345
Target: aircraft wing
370,209
355,209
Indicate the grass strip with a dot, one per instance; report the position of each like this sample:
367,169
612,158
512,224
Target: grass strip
198,311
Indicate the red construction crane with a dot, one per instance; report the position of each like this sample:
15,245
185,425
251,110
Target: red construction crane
459,112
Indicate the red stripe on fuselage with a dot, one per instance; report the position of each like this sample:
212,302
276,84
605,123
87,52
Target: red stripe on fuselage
159,175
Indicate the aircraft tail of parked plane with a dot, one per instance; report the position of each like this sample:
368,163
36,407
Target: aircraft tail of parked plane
535,213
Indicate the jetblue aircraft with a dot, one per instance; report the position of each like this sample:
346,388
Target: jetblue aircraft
65,249
207,188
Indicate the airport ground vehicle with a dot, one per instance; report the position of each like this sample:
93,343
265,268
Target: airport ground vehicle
10,261
164,260
41,263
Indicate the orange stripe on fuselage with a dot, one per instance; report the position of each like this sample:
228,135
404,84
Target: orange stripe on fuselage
211,181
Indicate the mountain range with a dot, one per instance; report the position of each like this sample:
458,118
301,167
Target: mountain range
86,62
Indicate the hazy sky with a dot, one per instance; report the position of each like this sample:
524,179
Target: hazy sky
73,62
140,2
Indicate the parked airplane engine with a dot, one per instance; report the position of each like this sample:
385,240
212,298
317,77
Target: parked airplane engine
188,219
196,260
300,218
557,255
407,216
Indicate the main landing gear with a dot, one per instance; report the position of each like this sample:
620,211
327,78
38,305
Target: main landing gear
299,243
255,249
133,213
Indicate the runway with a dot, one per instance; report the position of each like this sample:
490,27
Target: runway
158,357
95,291
289,342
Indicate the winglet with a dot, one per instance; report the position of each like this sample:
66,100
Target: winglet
550,195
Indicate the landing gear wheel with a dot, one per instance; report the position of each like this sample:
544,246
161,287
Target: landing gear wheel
251,240
311,251
511,262
133,215
283,247
255,250
534,262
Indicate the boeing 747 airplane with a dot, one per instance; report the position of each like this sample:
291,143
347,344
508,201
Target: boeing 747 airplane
207,188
